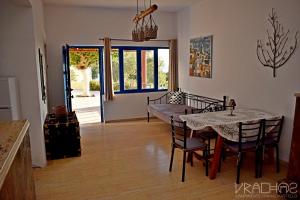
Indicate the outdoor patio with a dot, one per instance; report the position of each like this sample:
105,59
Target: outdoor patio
87,108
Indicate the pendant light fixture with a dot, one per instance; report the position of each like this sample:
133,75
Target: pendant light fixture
145,28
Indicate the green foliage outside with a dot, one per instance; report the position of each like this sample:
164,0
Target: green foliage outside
115,69
84,59
150,69
130,70
163,77
94,85
73,74
95,71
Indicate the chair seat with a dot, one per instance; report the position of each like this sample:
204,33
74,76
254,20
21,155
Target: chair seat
192,144
270,141
234,146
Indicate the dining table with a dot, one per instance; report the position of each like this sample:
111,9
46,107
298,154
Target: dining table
226,125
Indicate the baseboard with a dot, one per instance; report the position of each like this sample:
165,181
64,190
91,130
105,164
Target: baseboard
129,120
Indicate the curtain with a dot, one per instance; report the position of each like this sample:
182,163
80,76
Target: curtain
173,73
109,93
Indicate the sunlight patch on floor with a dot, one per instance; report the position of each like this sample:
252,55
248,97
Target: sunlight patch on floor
88,115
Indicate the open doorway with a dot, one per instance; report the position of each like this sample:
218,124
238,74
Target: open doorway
84,74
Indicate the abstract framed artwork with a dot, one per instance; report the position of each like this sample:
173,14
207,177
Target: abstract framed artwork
201,57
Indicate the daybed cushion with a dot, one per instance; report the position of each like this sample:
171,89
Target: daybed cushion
176,98
165,111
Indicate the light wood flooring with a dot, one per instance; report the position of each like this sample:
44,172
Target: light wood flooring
130,160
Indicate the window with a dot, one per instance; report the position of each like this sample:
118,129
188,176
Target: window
147,67
130,69
163,68
140,69
115,69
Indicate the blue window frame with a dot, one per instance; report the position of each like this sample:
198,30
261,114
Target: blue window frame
139,86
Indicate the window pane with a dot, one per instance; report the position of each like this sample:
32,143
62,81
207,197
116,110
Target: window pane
147,62
130,69
115,69
163,68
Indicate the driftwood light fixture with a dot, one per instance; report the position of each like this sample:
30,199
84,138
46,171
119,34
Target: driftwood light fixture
145,28
144,13
274,53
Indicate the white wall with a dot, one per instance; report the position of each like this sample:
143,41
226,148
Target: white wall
236,26
18,58
128,106
84,26
40,41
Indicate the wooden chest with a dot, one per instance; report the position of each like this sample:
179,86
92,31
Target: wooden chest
62,136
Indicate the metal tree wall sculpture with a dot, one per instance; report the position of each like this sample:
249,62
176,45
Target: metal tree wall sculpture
274,53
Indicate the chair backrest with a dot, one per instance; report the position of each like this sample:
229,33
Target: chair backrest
250,132
179,131
273,128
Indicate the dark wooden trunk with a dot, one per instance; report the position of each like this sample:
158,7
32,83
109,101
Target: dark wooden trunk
62,136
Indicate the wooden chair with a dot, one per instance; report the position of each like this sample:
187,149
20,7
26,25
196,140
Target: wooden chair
207,134
271,133
182,141
249,141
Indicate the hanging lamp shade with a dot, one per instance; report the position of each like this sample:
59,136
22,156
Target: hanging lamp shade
151,29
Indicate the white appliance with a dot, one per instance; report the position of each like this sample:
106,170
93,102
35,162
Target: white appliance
9,99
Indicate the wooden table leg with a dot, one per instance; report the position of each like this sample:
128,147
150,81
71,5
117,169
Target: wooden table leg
216,158
190,154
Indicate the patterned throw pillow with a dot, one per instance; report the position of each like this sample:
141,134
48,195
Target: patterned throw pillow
176,98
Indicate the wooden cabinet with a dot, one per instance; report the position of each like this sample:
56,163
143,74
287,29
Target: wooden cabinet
16,178
293,175
294,161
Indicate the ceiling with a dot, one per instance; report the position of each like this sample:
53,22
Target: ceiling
164,5
22,2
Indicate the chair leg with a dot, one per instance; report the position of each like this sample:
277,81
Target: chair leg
220,161
148,115
191,158
238,168
208,152
261,159
188,159
277,159
224,156
172,156
257,166
183,166
206,161
242,159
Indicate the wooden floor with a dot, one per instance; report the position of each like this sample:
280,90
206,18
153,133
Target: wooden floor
130,160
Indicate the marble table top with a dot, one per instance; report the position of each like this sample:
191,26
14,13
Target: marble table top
11,136
224,124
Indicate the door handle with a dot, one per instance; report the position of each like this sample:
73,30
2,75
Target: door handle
5,107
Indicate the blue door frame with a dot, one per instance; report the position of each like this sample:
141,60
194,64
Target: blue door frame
67,82
66,72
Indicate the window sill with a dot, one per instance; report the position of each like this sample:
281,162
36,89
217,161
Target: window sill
140,91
